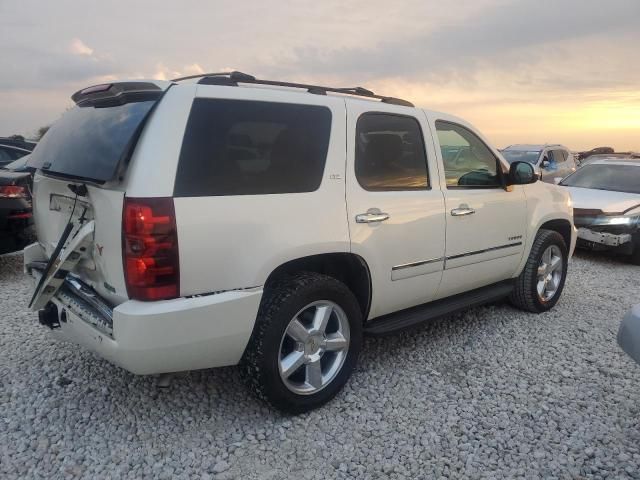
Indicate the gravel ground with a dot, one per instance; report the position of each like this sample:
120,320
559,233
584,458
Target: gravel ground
491,393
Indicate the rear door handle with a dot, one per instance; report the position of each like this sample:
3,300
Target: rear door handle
462,210
371,217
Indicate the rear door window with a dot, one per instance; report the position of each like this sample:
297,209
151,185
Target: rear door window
242,147
390,153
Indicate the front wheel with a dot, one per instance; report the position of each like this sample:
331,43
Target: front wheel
539,286
305,343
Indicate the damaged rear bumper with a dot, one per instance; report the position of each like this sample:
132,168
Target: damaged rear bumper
187,333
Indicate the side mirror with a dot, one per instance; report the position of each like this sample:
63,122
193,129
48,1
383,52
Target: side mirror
522,173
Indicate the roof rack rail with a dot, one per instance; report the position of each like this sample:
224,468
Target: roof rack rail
233,78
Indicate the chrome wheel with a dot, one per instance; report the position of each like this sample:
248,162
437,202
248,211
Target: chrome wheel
549,273
314,347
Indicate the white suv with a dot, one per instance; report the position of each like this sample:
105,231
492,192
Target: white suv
227,220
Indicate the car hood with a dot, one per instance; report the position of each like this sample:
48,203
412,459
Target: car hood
607,201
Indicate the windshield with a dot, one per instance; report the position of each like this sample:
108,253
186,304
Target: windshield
89,142
616,178
530,156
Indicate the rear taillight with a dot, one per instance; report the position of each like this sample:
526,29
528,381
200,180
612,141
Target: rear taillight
150,249
13,191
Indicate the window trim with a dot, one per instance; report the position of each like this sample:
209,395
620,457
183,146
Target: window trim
499,167
424,148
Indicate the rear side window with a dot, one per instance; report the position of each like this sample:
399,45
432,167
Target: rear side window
390,153
240,147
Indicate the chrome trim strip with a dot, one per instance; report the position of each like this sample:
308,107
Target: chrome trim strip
478,252
417,264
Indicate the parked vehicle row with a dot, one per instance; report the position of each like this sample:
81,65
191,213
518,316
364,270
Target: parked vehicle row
15,191
212,221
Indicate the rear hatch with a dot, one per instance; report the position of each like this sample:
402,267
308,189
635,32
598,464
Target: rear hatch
78,188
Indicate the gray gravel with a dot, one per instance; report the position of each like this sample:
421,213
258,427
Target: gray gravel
492,393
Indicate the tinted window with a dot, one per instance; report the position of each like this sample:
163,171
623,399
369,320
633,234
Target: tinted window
468,162
390,153
616,178
239,147
89,142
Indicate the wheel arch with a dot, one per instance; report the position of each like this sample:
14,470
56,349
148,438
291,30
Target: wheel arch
560,225
349,268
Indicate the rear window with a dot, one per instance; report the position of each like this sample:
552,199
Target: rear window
239,147
89,142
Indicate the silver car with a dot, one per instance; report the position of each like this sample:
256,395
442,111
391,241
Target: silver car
606,205
553,160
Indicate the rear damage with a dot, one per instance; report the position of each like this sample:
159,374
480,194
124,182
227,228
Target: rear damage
106,262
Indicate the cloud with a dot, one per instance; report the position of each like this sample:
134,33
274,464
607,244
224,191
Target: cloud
499,37
78,47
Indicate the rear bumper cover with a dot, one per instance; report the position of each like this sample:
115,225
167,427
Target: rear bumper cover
629,333
165,336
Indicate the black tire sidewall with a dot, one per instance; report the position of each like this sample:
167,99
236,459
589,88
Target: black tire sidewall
325,288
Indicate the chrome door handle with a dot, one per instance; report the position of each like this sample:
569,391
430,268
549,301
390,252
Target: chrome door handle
371,217
462,210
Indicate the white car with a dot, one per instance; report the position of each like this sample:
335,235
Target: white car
606,197
227,220
554,161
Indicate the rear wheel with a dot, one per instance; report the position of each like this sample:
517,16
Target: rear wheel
305,343
541,282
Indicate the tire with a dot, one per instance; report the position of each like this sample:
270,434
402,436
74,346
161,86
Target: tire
302,296
526,295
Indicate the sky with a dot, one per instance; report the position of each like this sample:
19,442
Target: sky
522,71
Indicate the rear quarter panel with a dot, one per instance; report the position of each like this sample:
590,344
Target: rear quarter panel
229,242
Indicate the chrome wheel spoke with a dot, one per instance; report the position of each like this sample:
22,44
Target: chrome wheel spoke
314,374
297,331
314,347
291,363
321,318
335,342
550,271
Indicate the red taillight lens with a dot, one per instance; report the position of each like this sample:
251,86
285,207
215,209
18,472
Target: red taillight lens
150,248
13,191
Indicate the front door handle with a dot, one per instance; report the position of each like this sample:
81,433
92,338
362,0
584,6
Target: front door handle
462,210
371,217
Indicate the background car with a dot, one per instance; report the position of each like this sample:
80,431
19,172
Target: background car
9,153
606,205
554,161
609,156
594,151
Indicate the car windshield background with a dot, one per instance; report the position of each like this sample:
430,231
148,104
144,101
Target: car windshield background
241,147
530,156
89,142
468,162
390,153
615,178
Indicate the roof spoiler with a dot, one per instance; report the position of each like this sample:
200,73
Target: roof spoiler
113,94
